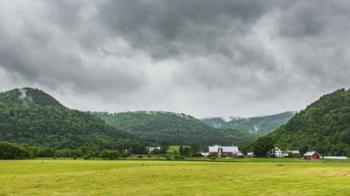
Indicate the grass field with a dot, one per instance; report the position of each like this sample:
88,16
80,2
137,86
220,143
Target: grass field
264,177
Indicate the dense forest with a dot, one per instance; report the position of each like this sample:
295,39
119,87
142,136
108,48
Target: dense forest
259,126
323,126
31,117
173,128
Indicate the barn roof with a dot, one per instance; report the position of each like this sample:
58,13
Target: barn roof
225,149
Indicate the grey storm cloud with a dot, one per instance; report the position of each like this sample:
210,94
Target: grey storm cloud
168,28
202,57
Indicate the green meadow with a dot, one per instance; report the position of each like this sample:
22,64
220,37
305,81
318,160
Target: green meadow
132,177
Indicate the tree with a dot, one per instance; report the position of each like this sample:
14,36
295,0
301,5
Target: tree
262,146
164,146
13,151
195,148
181,150
186,151
138,148
110,154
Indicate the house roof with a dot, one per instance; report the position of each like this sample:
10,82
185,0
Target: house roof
310,153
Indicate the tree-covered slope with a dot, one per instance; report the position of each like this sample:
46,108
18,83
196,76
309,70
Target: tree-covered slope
30,116
215,122
323,126
172,128
261,125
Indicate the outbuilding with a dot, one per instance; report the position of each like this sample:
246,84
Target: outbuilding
250,155
294,153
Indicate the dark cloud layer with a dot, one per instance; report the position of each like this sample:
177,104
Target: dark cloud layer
201,57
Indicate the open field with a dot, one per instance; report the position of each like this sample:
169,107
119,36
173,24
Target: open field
261,177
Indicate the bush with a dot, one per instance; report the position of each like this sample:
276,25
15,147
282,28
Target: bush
212,158
125,155
110,154
167,157
179,157
87,157
13,151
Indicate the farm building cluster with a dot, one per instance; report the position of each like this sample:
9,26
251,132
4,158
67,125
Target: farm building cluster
277,152
233,151
224,151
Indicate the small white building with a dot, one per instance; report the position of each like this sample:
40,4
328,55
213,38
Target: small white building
250,154
205,154
152,148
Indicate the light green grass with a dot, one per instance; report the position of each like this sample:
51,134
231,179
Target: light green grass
78,177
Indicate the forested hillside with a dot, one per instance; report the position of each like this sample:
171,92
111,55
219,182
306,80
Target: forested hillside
32,117
173,128
215,122
260,126
323,126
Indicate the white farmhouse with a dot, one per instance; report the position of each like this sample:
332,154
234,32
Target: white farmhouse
276,152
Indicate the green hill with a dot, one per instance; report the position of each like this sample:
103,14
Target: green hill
32,117
172,128
29,96
215,122
323,126
256,125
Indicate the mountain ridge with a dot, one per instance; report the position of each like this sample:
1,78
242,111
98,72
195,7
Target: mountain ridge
174,128
260,125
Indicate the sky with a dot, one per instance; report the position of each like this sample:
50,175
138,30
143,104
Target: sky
199,57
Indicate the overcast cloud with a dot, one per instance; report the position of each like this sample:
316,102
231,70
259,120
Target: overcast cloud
200,57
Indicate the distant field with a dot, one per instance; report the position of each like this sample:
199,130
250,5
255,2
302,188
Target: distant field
261,177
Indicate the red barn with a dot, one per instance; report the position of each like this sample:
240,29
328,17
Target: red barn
312,155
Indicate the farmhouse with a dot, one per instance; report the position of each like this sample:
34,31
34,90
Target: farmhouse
275,152
230,151
312,155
